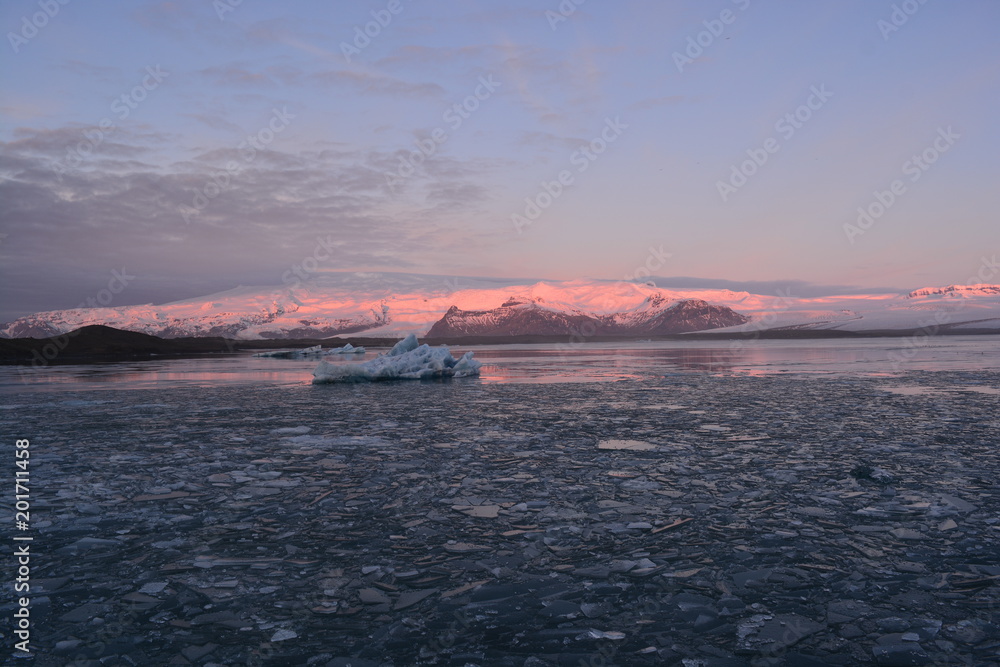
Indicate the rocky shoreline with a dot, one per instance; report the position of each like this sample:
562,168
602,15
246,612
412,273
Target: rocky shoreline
695,520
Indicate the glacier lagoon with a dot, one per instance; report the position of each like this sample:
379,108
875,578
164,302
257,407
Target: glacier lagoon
548,363
568,503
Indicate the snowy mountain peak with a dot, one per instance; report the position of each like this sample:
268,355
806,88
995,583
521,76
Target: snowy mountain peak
655,300
513,319
957,291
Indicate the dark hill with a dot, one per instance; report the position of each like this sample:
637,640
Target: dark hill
98,342
101,341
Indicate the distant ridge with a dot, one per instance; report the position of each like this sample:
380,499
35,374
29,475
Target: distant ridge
391,305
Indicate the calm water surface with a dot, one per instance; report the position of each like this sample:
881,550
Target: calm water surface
548,363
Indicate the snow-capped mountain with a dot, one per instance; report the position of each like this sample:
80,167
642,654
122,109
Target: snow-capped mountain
656,315
511,318
957,291
239,313
395,304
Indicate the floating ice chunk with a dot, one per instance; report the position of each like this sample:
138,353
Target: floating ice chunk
408,344
313,351
407,360
347,349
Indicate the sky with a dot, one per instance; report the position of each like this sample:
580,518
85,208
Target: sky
155,151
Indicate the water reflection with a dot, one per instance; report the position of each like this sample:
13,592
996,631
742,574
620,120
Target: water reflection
597,362
547,363
214,371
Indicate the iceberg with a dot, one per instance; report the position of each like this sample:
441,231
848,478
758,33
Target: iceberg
407,360
313,351
347,349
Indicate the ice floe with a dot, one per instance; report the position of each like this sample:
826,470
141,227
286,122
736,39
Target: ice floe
313,351
407,360
347,349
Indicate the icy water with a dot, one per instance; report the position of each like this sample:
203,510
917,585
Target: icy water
551,363
790,503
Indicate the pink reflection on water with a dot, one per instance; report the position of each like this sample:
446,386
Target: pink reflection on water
547,363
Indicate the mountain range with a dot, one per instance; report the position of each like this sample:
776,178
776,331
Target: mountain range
654,316
395,304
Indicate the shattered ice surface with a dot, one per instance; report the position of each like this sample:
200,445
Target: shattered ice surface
482,523
407,360
631,445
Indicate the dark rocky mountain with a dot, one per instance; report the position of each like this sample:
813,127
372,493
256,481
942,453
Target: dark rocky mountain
527,318
684,316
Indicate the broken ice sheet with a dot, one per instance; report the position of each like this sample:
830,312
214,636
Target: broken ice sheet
323,557
776,633
479,511
465,547
153,587
631,445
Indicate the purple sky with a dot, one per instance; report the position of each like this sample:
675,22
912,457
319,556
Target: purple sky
733,140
